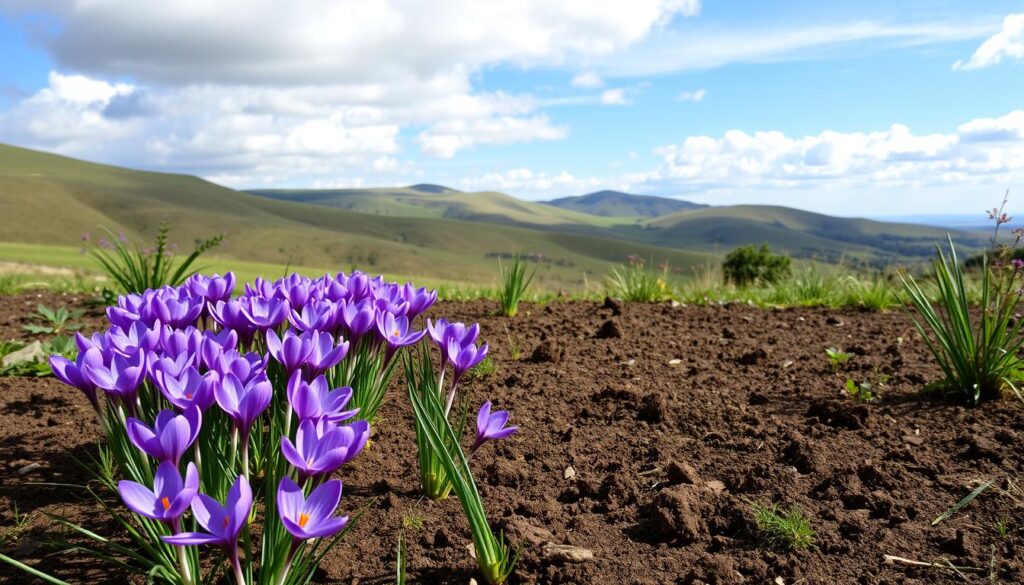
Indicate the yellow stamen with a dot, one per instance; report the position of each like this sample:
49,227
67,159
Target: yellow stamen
166,503
303,520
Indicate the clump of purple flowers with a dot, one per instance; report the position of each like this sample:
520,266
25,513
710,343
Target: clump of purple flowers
217,407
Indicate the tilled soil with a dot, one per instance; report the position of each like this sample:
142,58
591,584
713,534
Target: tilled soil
646,431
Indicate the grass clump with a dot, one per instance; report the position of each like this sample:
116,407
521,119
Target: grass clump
782,529
636,282
978,351
514,282
134,269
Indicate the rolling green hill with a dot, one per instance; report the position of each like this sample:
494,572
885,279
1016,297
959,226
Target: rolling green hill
800,233
711,229
619,204
47,199
442,202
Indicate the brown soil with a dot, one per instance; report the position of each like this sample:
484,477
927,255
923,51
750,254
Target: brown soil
665,456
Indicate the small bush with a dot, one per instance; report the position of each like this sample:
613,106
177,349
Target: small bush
749,265
782,529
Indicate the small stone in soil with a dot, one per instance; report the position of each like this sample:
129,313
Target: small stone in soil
569,473
567,554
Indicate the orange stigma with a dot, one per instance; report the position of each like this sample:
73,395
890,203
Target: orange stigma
303,520
166,503
188,396
397,333
227,519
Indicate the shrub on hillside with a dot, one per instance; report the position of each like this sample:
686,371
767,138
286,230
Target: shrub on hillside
750,264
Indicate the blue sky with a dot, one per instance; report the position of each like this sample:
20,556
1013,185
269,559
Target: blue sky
867,108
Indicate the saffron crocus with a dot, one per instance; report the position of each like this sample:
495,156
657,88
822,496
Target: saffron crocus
137,336
120,376
314,316
223,524
71,374
189,389
231,316
291,351
490,426
214,345
394,330
167,307
244,367
442,332
321,448
313,517
464,357
358,317
315,400
419,299
168,499
243,403
212,288
324,354
265,314
169,437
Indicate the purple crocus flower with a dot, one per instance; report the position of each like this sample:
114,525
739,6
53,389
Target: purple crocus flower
223,524
243,403
315,400
168,499
71,374
390,299
167,366
442,332
244,367
358,318
313,517
170,308
292,351
214,345
295,289
464,357
315,315
324,354
212,288
171,435
231,316
189,389
320,448
419,299
127,340
265,314
119,375
490,426
175,341
394,330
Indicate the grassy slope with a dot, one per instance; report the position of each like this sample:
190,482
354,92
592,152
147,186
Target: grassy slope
55,199
618,204
487,206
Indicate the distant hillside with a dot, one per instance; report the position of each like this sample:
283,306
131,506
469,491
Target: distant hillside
50,199
800,233
442,202
619,204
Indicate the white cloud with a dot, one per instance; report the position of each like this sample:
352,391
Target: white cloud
669,52
692,96
1006,44
444,139
614,97
323,41
587,79
534,184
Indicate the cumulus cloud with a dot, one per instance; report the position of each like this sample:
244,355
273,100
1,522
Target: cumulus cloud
324,41
535,184
271,91
1007,44
692,96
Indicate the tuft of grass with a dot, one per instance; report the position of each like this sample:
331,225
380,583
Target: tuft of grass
514,282
134,269
782,529
635,282
483,370
873,292
978,353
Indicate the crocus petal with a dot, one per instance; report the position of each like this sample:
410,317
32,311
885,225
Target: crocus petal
192,539
138,498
